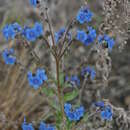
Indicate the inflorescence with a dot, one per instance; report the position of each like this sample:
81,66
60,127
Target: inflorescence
88,72
8,57
74,80
84,15
37,79
105,111
43,126
73,115
86,36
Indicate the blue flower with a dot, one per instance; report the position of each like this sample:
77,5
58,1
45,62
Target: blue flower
110,41
89,72
73,115
74,80
105,110
84,15
58,35
17,27
100,38
38,29
34,2
99,104
81,17
106,114
81,36
79,112
8,57
67,107
89,14
41,74
30,34
36,80
86,38
26,126
90,36
44,126
8,32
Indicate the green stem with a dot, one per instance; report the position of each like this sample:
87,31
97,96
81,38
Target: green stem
60,91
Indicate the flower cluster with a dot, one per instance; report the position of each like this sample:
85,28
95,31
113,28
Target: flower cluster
89,72
37,79
108,40
86,38
8,57
10,31
43,126
31,34
84,15
73,115
26,126
74,80
106,110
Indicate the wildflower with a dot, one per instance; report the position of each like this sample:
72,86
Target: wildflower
41,74
73,115
34,2
108,40
8,32
105,110
84,15
89,72
17,27
44,126
26,126
86,38
106,114
90,36
81,36
23,32
100,38
74,80
67,107
8,57
59,34
79,112
99,104
30,34
36,80
38,29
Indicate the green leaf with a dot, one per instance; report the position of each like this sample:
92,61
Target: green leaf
70,95
48,91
